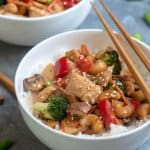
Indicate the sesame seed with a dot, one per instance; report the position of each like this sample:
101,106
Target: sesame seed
107,94
103,79
114,92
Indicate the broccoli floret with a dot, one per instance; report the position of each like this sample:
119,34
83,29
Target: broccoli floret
57,107
42,108
117,67
109,86
110,57
121,85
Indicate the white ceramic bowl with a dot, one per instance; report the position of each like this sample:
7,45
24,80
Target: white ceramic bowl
30,31
47,51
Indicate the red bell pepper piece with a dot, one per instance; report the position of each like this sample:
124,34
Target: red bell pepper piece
106,111
84,64
61,67
135,104
27,1
60,82
69,3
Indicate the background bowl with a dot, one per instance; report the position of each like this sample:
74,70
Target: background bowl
48,51
30,31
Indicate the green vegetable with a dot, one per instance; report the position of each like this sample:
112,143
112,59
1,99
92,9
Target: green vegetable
147,17
57,107
117,67
121,85
137,36
110,57
42,108
48,83
5,145
109,86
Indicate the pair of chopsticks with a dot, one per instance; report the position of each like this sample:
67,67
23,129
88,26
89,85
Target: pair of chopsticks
139,79
7,82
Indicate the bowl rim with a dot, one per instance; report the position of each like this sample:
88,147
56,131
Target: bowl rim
30,115
51,16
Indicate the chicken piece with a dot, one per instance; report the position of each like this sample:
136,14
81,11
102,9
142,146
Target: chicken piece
70,97
43,95
83,88
36,12
11,8
73,67
78,108
104,78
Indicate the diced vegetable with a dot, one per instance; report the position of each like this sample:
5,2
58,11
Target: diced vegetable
69,3
117,67
109,86
34,83
5,145
121,85
27,1
48,83
61,67
83,64
137,36
57,107
42,108
110,57
147,17
60,82
135,104
106,111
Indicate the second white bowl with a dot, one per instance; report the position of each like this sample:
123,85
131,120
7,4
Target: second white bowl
30,31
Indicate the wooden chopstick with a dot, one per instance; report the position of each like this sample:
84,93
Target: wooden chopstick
132,43
124,54
7,82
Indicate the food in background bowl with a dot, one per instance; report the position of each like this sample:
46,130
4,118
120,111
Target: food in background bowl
32,30
49,51
86,93
35,8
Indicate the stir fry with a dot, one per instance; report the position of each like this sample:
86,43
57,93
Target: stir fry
35,8
86,93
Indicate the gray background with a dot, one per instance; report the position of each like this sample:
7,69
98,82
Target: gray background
12,125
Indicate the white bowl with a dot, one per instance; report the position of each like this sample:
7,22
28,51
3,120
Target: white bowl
30,31
47,51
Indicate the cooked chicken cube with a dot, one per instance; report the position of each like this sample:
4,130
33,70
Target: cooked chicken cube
79,108
45,94
83,88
